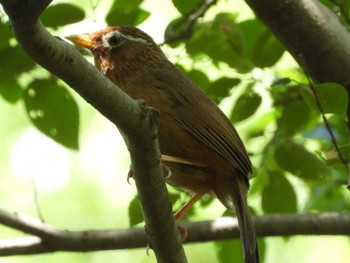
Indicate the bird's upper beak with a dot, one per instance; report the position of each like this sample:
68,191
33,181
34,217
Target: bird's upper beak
82,40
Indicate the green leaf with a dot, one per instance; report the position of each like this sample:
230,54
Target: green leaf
257,128
245,106
199,78
295,159
14,61
6,35
290,122
251,30
135,212
61,14
221,40
340,129
185,7
332,97
327,198
126,13
10,90
232,250
267,50
229,251
333,159
122,16
53,111
221,88
278,196
260,46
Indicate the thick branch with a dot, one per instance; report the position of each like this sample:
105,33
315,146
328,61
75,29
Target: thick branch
48,239
313,34
136,121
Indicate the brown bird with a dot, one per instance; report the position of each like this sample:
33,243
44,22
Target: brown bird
197,141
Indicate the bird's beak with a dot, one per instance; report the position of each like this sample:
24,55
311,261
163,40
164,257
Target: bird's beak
82,40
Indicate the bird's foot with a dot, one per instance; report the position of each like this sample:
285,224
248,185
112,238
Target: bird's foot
183,232
166,171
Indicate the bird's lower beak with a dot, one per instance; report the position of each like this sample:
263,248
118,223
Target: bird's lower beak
82,40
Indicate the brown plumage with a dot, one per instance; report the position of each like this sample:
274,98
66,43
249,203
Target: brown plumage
191,126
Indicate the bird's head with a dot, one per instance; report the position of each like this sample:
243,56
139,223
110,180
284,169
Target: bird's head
120,50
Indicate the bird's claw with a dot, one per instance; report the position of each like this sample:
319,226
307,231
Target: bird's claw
148,248
183,232
166,171
130,175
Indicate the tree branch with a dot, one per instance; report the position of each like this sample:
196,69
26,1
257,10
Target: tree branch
65,61
49,239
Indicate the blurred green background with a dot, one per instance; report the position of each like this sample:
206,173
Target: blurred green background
59,154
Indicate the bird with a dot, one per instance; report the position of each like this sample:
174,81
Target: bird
198,143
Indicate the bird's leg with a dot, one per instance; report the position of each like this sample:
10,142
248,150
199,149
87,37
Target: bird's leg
182,211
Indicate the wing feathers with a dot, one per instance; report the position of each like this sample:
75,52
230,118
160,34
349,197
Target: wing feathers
225,142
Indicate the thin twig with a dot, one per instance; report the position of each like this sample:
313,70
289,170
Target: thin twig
36,201
341,157
94,6
191,18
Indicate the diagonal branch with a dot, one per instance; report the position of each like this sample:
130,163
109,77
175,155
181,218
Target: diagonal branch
133,118
48,239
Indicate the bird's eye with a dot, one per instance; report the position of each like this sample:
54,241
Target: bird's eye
115,40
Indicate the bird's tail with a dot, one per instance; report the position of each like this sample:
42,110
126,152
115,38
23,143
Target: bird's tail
248,236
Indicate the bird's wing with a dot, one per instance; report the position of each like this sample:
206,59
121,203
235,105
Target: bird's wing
204,120
221,138
201,117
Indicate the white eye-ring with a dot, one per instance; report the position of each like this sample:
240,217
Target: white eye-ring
115,38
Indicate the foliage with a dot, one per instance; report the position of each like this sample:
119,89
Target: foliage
237,63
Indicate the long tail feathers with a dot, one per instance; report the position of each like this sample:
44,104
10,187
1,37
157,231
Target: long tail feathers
248,236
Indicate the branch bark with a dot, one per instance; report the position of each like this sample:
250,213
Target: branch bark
48,239
312,33
133,118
